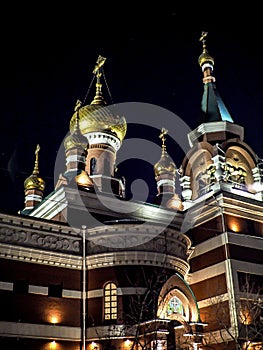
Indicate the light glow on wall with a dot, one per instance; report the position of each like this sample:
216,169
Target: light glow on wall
53,318
94,346
127,344
234,225
53,345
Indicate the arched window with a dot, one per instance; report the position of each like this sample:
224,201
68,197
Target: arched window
110,301
174,306
92,166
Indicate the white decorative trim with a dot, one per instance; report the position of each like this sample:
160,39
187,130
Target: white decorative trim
207,65
76,294
209,245
67,293
33,197
40,256
37,290
211,127
6,285
28,330
75,158
213,300
166,182
207,273
95,138
56,332
53,205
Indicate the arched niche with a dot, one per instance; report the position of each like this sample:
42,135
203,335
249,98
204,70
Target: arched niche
238,166
198,165
177,302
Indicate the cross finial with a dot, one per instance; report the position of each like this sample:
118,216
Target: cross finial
98,99
77,105
36,171
162,137
100,62
203,39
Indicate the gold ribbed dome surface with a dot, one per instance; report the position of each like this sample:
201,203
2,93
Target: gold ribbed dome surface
97,118
164,165
205,58
34,182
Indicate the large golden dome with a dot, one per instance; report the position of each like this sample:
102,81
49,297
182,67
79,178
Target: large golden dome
95,117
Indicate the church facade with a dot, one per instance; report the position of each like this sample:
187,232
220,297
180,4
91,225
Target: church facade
84,268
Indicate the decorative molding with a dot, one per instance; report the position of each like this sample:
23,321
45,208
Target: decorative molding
42,257
96,138
38,239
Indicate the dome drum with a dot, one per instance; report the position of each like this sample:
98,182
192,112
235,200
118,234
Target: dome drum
96,138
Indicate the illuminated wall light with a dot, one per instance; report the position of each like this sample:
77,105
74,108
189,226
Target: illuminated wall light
127,343
94,346
54,319
234,225
53,345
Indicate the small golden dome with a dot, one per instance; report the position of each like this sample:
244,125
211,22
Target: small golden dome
164,165
34,182
75,139
205,58
99,118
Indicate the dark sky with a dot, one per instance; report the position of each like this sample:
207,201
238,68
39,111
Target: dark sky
152,57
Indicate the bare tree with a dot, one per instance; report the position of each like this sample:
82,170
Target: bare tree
143,308
246,308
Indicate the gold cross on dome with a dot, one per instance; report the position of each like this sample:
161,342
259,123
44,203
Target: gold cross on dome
36,171
203,36
100,62
162,136
203,39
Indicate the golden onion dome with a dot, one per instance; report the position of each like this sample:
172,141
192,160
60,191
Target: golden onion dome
34,181
165,165
205,58
98,118
75,139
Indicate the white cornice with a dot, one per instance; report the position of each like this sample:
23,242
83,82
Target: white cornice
212,127
96,138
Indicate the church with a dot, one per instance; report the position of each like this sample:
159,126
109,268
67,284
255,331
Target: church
83,267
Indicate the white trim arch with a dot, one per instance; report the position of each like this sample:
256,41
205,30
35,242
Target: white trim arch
177,287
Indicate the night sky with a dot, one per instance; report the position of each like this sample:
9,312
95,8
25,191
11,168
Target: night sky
47,63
